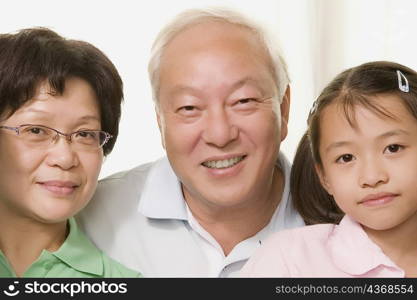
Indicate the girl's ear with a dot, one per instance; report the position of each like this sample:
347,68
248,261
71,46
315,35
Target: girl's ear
323,180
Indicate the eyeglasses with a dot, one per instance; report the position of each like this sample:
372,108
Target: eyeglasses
43,136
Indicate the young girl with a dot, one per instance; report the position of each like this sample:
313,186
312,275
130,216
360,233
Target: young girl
361,145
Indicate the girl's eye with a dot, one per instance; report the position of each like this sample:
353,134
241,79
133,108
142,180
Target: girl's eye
394,148
345,158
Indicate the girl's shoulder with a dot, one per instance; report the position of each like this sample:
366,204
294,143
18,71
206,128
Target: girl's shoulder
298,244
308,233
291,252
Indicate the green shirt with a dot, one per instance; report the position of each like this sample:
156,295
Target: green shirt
77,257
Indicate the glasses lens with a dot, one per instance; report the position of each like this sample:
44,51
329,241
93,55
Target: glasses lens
36,134
90,138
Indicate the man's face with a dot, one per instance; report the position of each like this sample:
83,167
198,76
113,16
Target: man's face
218,127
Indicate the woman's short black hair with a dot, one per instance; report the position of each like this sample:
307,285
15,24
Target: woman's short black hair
35,55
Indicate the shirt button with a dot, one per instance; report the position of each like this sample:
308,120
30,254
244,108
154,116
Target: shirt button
48,265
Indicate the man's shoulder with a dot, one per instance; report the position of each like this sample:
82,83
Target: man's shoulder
126,182
112,268
135,173
120,191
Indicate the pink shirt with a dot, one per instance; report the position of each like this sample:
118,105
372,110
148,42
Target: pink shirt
324,250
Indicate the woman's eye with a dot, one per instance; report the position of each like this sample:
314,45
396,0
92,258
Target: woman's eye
393,148
345,158
35,130
86,134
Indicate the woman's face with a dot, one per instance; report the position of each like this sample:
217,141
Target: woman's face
52,182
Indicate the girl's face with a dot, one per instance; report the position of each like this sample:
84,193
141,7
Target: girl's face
371,170
49,183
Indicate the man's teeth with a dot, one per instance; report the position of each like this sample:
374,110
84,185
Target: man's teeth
221,164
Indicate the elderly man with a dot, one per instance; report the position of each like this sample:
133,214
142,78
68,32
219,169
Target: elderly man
222,101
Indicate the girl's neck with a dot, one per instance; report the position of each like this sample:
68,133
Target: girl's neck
22,240
399,244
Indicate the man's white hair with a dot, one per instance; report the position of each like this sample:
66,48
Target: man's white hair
195,16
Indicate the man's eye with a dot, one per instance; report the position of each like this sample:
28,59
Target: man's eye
188,108
345,158
188,111
246,100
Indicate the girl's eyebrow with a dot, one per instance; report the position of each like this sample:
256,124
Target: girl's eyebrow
336,145
393,133
382,136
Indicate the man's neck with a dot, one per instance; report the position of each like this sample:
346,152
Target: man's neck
231,225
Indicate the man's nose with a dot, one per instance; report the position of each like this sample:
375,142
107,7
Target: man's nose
373,173
219,129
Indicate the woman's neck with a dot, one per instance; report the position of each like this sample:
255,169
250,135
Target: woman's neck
22,240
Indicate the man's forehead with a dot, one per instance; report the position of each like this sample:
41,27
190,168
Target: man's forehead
245,81
211,30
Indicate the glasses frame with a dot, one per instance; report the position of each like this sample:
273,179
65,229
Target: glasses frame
67,136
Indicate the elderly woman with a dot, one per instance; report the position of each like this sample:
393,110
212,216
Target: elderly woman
59,113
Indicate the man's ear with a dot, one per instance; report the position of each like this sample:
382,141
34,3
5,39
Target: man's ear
285,111
161,126
323,180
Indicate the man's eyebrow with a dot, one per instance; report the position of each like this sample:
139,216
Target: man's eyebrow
183,89
247,80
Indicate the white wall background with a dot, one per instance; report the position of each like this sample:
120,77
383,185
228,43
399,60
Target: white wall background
319,38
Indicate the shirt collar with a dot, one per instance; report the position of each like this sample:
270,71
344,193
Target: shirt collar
79,252
162,197
353,251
